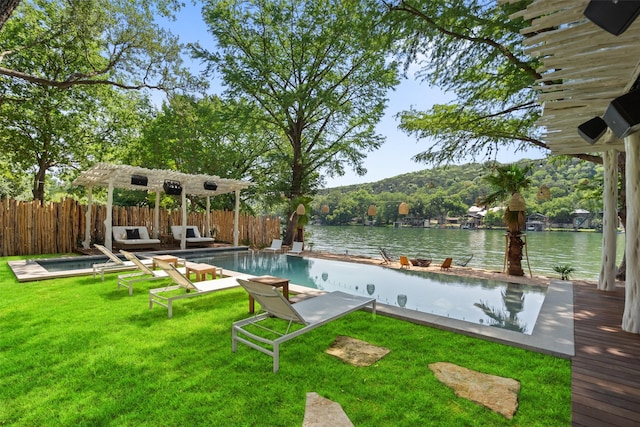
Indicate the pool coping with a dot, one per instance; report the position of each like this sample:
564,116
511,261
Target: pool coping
28,270
553,333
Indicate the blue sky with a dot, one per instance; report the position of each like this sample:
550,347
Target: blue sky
394,157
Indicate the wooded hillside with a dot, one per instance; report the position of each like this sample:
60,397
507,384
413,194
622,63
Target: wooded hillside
451,190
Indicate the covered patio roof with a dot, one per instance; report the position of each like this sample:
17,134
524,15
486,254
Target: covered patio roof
102,174
584,69
120,176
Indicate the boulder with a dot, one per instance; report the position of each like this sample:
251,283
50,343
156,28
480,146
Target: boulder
322,412
496,393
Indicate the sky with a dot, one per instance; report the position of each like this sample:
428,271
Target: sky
394,157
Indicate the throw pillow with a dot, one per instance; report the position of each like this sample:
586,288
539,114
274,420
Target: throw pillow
191,232
133,233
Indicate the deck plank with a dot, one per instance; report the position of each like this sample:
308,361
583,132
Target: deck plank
605,379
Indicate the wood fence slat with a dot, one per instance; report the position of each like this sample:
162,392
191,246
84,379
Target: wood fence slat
32,228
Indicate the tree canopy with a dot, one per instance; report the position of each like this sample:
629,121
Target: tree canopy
318,72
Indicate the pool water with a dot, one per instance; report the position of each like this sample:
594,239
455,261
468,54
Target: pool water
500,304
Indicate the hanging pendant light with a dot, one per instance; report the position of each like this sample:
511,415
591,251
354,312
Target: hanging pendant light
403,209
300,210
325,209
372,210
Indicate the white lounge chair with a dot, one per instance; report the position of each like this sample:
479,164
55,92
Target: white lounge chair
192,236
115,264
144,275
312,312
276,246
192,289
296,248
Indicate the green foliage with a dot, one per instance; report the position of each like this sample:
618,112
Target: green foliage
564,270
474,51
63,66
318,72
451,190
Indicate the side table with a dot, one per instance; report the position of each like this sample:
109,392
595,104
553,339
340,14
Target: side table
276,282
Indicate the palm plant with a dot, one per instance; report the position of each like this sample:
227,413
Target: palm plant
507,182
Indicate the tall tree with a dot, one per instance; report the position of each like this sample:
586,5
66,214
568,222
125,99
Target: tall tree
319,72
507,183
60,66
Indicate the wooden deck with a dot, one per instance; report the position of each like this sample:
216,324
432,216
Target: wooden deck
605,379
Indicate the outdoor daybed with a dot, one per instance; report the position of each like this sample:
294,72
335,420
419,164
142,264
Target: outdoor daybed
192,236
133,237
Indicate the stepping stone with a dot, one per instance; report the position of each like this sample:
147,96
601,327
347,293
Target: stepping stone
321,412
496,393
355,351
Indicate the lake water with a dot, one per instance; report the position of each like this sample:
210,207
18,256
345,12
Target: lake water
580,250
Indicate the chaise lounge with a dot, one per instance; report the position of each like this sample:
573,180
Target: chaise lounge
311,313
114,264
145,274
165,296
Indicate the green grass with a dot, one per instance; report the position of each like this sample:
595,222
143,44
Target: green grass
78,351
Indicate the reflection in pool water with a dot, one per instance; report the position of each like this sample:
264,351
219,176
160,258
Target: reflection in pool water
500,304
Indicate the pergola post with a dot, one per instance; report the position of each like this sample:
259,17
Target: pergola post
207,219
108,221
236,219
183,237
156,217
607,279
86,244
631,316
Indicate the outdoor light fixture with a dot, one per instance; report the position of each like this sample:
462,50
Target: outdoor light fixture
623,114
139,180
300,210
613,16
403,209
173,188
372,210
592,130
210,185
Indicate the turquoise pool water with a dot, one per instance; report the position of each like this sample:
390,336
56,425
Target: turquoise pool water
503,305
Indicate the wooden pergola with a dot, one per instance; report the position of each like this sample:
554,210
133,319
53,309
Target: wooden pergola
584,69
120,176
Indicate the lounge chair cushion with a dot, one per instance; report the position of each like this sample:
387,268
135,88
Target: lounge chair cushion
133,233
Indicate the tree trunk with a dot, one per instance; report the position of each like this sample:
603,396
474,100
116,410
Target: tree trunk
38,184
6,10
622,213
514,260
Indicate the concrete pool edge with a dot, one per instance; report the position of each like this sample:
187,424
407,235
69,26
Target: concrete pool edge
29,270
553,333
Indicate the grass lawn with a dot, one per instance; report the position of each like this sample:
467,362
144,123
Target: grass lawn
78,351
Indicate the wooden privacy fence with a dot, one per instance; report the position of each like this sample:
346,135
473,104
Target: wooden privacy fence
31,228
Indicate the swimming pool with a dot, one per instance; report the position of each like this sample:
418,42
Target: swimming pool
507,306
503,305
